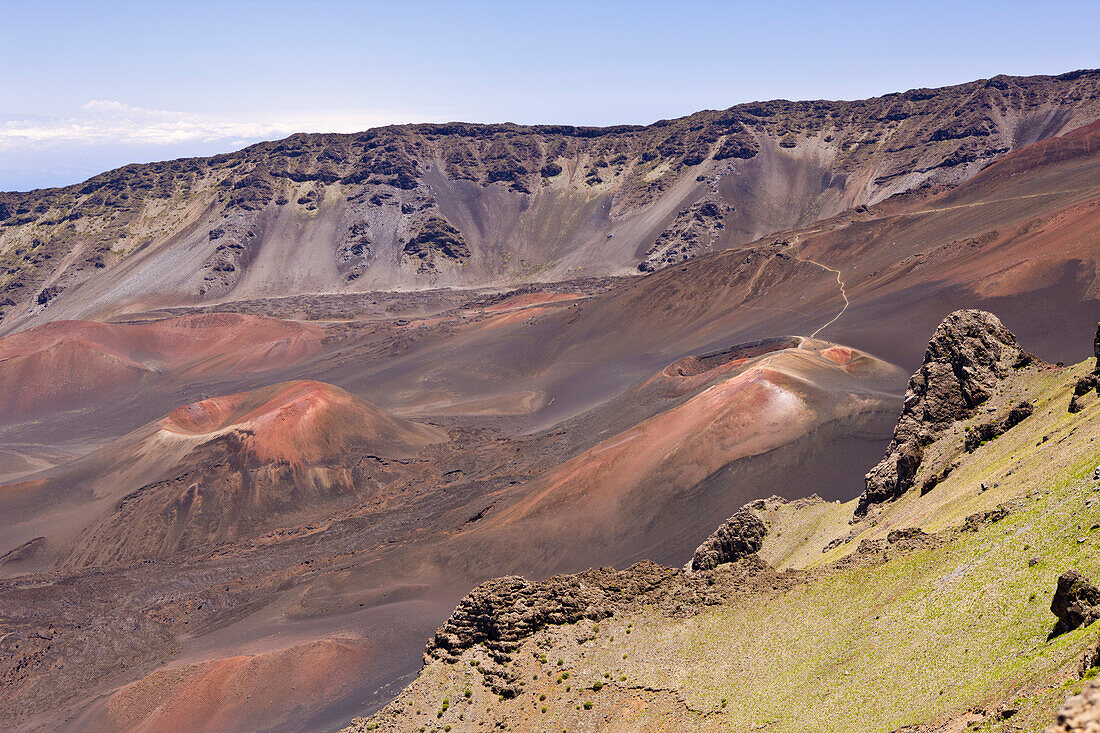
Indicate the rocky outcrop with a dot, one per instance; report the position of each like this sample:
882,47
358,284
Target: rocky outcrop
437,241
1084,385
968,355
1076,602
738,537
975,522
503,611
997,427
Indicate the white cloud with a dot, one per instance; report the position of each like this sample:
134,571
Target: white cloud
111,123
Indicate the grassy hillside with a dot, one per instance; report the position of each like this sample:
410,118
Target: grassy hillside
880,632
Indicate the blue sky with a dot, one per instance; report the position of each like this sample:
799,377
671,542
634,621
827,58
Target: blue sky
92,85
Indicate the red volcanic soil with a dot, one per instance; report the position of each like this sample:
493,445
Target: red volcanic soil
528,299
734,404
220,468
753,405
263,459
298,422
248,692
67,364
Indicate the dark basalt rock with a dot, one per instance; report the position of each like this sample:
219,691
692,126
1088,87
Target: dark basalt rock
1076,602
693,231
1083,386
738,537
968,355
976,521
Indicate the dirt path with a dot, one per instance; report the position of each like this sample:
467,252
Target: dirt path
1005,200
843,294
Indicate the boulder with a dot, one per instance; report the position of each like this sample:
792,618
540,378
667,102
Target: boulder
738,537
1076,602
968,355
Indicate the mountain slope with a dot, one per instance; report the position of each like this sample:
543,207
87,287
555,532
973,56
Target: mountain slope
461,204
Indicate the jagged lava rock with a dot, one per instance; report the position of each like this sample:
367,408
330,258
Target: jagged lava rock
970,352
739,536
503,611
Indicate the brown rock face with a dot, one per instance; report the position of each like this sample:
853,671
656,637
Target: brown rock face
970,352
1076,602
739,536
